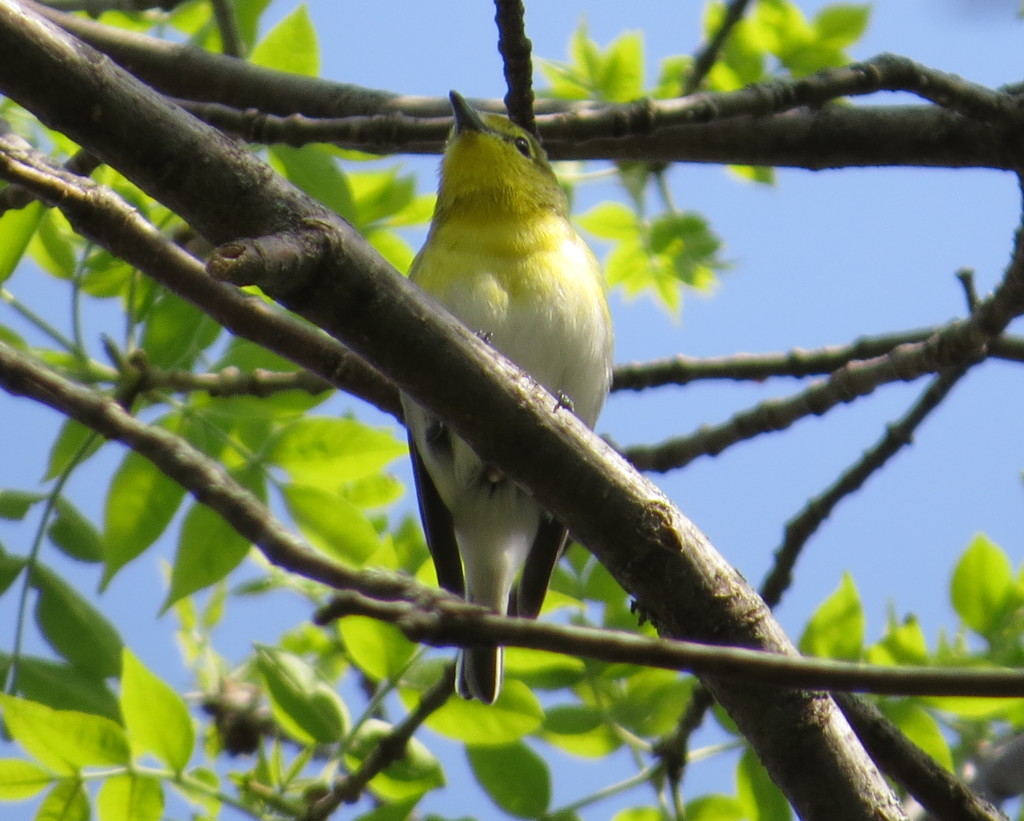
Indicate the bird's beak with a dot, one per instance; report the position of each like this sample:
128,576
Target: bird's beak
466,117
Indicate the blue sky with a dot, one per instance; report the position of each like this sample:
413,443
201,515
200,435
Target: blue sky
821,258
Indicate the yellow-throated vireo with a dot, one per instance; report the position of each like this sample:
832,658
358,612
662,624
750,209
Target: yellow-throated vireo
503,256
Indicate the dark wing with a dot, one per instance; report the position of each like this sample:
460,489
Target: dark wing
547,546
437,524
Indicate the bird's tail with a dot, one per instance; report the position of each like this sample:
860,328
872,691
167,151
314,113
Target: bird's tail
478,673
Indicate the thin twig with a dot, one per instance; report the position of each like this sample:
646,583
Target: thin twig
897,436
227,24
388,750
515,48
706,57
99,214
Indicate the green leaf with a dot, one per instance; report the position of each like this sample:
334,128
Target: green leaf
621,75
63,687
760,798
671,78
64,740
610,220
516,713
248,14
209,548
75,443
919,726
22,779
380,194
332,524
781,26
140,504
392,246
836,630
74,628
379,649
67,801
156,717
640,814
290,46
542,670
515,777
176,332
842,24
10,569
374,491
316,172
54,246
649,705
714,808
15,504
414,774
305,705
135,796
17,226
981,584
74,535
327,452
902,644
581,730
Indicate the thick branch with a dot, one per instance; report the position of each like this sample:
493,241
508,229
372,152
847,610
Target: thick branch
335,280
744,127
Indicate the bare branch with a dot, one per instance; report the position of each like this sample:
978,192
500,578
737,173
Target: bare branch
934,787
515,48
708,54
897,436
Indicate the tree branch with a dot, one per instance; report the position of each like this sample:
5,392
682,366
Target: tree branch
959,342
897,436
798,362
783,123
515,48
330,276
99,214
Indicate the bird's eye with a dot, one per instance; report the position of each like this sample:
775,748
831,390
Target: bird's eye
523,146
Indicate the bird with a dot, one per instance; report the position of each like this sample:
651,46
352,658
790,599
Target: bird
502,255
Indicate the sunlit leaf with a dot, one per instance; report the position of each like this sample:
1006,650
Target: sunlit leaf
836,630
22,779
208,549
920,727
761,799
515,714
514,776
305,705
981,584
17,226
64,740
156,717
581,730
378,649
331,523
67,801
133,795
327,452
290,46
141,501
